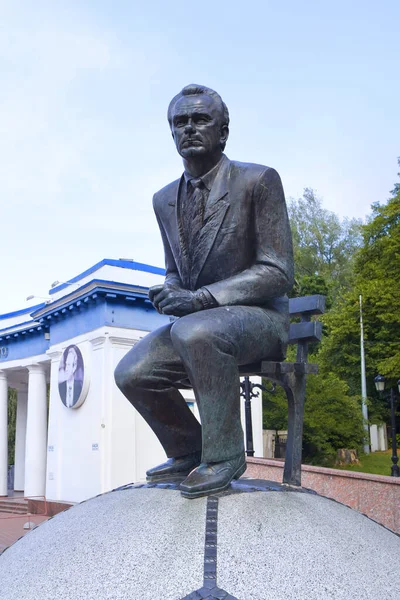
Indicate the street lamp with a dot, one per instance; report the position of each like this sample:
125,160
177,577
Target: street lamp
380,386
32,296
248,393
56,283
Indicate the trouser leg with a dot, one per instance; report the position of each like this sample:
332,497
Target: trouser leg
147,376
212,344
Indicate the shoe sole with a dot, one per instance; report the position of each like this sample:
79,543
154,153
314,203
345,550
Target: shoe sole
238,474
171,476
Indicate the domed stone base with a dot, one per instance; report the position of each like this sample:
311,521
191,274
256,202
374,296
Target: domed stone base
257,541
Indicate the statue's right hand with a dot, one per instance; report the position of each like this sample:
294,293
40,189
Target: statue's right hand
154,290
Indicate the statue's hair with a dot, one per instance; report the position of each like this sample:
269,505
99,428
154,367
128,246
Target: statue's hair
196,90
71,350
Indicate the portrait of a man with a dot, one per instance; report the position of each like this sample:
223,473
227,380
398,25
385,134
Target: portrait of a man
70,376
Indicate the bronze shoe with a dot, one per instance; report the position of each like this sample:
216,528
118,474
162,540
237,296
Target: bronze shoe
213,477
174,467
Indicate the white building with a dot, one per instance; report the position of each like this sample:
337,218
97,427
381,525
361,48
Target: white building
100,442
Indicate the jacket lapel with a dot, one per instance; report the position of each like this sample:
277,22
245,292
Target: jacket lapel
182,255
216,207
176,237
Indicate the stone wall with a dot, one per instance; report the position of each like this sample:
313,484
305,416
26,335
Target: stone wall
376,496
47,508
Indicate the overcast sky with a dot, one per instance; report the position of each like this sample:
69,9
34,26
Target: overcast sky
312,87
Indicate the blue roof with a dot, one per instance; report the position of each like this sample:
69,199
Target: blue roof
23,311
122,264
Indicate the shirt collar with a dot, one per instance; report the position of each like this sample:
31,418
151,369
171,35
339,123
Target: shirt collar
208,178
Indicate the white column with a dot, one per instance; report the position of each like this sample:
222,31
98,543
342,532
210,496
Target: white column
36,433
20,438
3,433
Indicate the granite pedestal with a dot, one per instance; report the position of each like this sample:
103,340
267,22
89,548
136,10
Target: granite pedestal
257,541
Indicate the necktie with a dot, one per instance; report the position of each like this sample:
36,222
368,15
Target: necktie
195,213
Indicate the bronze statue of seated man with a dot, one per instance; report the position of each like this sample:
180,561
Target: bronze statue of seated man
229,264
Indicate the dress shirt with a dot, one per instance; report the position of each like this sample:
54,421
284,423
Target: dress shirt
69,395
193,200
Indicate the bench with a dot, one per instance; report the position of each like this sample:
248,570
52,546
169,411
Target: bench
292,377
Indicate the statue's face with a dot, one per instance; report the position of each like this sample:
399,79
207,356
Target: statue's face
196,126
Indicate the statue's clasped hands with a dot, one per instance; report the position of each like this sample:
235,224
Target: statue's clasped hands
170,299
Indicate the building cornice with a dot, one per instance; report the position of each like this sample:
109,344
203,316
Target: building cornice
90,294
16,332
81,299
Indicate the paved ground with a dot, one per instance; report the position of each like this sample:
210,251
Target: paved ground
12,527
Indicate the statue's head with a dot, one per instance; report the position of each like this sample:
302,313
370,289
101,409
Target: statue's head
199,121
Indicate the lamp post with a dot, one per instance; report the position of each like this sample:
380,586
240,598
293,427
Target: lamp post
380,386
32,296
247,393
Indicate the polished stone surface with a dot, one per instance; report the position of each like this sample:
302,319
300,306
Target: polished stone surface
144,543
300,546
259,540
376,496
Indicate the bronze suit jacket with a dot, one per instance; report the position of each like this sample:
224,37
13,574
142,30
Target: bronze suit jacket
244,255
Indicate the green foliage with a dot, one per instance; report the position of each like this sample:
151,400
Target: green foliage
275,411
12,416
340,350
343,260
397,441
377,279
308,285
332,418
323,249
323,245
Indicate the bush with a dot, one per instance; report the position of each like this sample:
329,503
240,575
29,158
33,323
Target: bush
397,441
332,418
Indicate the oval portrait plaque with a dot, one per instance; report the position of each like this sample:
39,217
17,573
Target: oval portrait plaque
71,378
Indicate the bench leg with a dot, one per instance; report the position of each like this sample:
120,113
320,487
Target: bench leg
295,388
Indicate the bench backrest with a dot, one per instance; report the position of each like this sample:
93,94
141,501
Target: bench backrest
305,307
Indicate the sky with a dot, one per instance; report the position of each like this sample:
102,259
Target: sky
312,90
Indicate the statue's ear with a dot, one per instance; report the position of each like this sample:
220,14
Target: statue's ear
224,133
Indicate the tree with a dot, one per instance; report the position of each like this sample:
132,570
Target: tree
348,260
12,417
332,416
377,279
323,245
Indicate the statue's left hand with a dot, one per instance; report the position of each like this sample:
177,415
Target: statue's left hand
173,300
154,290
